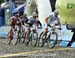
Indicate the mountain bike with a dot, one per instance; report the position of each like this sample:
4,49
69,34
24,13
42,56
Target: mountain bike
50,37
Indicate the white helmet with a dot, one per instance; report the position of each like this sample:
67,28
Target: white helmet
56,12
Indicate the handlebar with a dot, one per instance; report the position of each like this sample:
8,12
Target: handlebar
53,26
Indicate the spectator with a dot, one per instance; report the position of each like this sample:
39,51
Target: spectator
2,14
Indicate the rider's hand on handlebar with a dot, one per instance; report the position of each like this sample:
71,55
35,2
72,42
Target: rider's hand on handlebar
60,28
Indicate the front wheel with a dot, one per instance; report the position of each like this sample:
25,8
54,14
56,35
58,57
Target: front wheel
18,39
52,39
34,39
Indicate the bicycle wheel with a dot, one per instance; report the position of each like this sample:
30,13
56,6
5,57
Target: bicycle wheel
52,39
34,39
18,39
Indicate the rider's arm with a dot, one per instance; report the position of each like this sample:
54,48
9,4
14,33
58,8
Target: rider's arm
39,23
59,22
46,19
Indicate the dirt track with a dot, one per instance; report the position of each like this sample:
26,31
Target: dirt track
12,49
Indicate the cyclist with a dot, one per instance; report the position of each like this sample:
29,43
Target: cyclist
21,25
19,28
52,19
32,22
12,23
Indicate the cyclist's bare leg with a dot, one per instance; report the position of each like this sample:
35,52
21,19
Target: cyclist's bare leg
10,34
27,39
24,37
43,36
10,39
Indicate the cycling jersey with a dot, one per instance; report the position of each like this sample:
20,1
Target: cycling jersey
19,22
31,20
24,20
53,20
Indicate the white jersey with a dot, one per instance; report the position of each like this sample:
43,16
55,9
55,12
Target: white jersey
53,19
